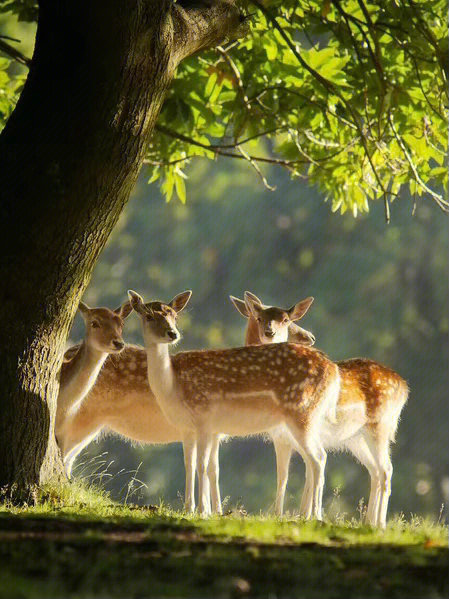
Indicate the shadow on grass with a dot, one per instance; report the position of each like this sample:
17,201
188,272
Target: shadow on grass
163,556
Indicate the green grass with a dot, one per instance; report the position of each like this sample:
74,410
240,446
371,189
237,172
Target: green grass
77,543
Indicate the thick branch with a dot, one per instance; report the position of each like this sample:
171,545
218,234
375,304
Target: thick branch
204,24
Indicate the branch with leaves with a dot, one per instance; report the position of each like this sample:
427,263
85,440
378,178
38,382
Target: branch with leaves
350,94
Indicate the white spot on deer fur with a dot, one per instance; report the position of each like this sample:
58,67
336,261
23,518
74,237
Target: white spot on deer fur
132,365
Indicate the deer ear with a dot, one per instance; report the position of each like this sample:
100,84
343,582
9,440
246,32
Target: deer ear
298,335
124,310
253,297
180,301
84,309
298,310
240,306
136,301
253,307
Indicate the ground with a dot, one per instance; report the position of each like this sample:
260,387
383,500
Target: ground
77,543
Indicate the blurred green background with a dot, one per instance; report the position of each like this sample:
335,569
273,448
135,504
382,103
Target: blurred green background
380,291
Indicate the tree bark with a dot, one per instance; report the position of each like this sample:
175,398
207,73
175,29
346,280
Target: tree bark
69,157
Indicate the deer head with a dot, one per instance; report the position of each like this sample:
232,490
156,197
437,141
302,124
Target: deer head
275,325
104,327
159,319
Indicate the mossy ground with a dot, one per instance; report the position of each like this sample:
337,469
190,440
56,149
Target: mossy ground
77,543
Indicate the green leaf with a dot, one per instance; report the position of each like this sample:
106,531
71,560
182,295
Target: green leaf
180,188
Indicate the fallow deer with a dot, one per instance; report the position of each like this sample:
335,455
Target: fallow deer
273,327
118,400
240,391
78,374
369,406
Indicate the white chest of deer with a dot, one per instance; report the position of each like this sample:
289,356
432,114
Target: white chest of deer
165,385
78,377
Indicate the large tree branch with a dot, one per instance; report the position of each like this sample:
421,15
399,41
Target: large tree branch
201,24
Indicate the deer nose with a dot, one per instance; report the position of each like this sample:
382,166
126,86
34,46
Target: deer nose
118,344
172,334
269,333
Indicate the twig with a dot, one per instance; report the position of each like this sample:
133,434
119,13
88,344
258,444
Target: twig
257,169
13,52
230,146
220,151
387,209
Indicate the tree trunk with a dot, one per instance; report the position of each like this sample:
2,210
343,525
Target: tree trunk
70,155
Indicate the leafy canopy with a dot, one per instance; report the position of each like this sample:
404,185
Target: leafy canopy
350,94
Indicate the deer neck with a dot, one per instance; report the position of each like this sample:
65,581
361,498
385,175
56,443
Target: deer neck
252,332
162,380
78,377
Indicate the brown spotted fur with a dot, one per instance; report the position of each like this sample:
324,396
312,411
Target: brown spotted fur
370,383
296,374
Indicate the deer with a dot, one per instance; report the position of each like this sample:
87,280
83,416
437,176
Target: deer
80,368
104,386
275,329
369,406
239,392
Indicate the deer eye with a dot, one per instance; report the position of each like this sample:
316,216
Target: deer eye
95,324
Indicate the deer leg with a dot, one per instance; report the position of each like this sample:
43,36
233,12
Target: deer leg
305,508
314,457
70,457
213,475
77,432
380,448
362,451
319,459
283,451
204,444
189,448
385,474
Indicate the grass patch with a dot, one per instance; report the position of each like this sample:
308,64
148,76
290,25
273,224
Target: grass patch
78,543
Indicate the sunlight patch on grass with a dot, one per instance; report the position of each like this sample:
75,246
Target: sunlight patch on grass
273,530
86,502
